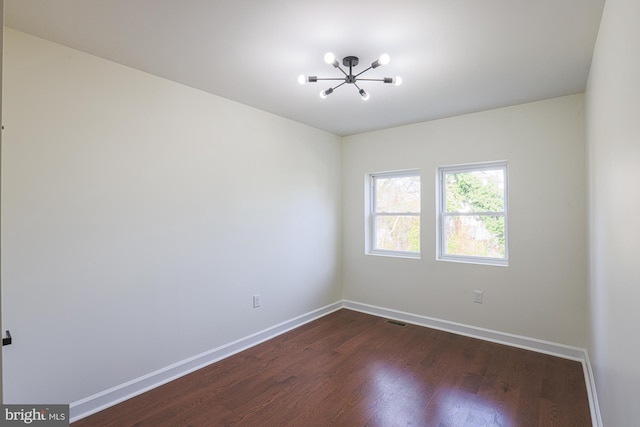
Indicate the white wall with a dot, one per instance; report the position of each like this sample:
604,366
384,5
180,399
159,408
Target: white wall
139,216
1,68
542,293
613,135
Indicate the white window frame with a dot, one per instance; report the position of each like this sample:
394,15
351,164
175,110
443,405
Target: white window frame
442,215
371,233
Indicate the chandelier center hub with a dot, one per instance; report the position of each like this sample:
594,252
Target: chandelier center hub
350,61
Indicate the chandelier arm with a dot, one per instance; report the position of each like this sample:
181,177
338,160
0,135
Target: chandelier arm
343,72
336,87
362,72
330,78
370,80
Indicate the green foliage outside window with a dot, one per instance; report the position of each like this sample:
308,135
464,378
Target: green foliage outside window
477,193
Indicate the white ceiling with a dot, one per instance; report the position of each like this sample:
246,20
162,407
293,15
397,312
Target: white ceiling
455,56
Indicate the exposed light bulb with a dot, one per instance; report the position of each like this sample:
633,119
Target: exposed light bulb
302,79
324,93
397,80
364,94
383,60
329,58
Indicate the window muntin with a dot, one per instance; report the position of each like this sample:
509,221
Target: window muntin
472,213
395,214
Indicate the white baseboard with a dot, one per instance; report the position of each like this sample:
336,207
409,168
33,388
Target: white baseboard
540,346
533,344
107,398
591,391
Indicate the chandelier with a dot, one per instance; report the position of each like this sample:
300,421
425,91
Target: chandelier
350,78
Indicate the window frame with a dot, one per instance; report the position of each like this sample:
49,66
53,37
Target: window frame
442,214
371,233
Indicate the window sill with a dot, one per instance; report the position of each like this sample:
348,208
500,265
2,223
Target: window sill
475,260
394,254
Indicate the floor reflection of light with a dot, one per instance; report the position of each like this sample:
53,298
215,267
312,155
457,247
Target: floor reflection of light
398,398
459,408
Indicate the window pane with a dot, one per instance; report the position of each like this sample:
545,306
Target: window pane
398,233
475,191
469,235
398,194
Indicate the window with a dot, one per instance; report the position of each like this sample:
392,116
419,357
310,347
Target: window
472,213
394,220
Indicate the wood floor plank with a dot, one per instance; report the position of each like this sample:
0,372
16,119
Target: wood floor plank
353,369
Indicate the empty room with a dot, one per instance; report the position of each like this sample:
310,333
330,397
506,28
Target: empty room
268,213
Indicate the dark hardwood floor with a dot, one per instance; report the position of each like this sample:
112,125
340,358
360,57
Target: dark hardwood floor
353,369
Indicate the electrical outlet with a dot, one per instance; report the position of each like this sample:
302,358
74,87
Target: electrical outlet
477,296
256,301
